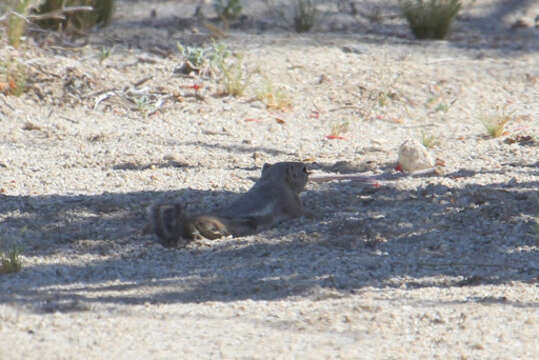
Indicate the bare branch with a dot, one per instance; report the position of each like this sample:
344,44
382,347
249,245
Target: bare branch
59,13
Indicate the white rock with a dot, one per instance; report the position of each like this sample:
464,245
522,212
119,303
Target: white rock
414,156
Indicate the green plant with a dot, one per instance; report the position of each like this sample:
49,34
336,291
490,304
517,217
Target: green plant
200,57
495,122
143,105
16,22
233,76
429,141
384,97
305,15
103,54
440,103
195,55
10,262
13,75
74,15
275,97
430,19
227,9
338,128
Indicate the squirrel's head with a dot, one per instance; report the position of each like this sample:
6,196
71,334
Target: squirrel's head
294,173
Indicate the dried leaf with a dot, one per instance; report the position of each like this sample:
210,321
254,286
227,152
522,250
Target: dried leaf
335,137
314,115
439,162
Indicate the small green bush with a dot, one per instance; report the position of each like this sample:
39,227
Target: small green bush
13,76
233,76
10,262
227,9
16,22
430,19
79,20
305,15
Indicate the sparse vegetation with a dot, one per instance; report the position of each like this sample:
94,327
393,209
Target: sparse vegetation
388,92
384,97
204,58
495,122
338,128
78,15
143,105
439,104
16,22
81,19
195,55
275,97
430,19
220,62
103,54
233,76
305,15
10,261
227,9
301,15
13,76
429,141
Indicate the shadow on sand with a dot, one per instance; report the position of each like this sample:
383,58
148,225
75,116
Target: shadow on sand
436,236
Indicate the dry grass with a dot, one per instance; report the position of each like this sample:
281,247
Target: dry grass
495,123
338,128
275,97
234,77
13,77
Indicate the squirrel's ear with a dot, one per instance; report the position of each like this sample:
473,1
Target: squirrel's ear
265,168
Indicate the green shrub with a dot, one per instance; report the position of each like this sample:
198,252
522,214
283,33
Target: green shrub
10,262
305,15
13,76
430,19
495,120
227,9
16,22
233,76
79,20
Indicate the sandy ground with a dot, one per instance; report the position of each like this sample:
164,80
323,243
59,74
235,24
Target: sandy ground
437,266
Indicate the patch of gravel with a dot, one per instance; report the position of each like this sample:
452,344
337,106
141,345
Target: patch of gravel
426,266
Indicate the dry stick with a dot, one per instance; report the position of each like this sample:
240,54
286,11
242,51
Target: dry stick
58,13
103,97
142,81
6,103
54,14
